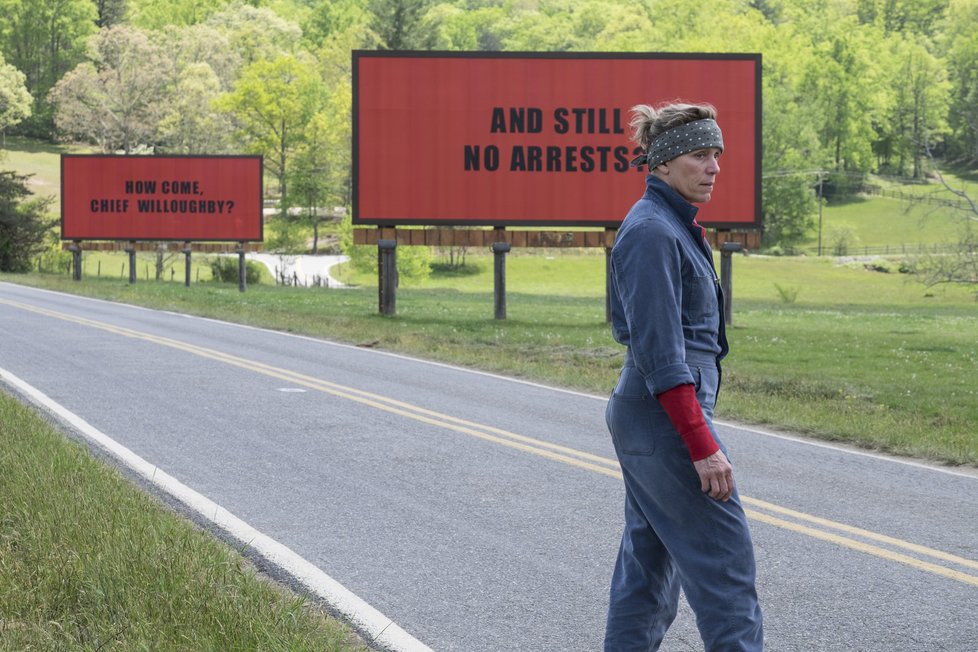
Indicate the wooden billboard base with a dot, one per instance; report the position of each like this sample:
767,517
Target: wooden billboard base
449,237
198,247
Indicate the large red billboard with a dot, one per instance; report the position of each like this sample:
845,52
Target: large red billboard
537,139
189,198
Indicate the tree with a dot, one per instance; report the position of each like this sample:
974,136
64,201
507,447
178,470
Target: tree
270,106
155,14
401,24
23,225
192,125
912,16
920,107
15,101
329,17
119,99
256,34
202,44
110,12
44,39
962,53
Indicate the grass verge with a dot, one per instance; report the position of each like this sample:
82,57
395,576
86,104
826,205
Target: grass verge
88,562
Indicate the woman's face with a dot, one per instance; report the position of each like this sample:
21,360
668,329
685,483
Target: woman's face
692,175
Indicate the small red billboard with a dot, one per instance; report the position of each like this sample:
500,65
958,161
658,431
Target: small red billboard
537,139
188,198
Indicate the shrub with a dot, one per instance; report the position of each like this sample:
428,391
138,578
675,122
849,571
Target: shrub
225,270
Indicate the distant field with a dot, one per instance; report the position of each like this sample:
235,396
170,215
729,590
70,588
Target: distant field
42,160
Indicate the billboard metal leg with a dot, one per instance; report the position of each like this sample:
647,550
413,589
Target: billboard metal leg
242,268
186,269
726,278
132,262
387,270
499,250
76,260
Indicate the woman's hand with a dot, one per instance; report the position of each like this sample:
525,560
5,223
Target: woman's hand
716,476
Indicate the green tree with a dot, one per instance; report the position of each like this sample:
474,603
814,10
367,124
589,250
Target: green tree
15,101
919,17
329,17
256,33
192,125
321,176
921,97
44,39
110,12
201,44
962,53
23,223
270,106
117,100
156,14
402,24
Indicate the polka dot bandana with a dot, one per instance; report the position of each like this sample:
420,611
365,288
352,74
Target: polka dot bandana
686,138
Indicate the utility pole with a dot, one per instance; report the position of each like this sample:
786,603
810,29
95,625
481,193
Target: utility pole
820,179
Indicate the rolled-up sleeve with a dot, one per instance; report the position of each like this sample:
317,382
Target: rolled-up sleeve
647,278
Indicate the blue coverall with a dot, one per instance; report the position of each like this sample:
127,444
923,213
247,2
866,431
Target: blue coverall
665,305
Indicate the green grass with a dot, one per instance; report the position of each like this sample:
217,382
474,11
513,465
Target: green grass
88,562
42,160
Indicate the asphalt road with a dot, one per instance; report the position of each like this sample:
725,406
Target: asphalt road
482,513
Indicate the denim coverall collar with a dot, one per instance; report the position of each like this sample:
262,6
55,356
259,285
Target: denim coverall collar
685,211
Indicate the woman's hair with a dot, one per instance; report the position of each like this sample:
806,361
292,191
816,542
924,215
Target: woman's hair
648,121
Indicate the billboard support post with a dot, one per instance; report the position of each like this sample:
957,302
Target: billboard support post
76,260
607,277
132,261
499,250
242,268
387,275
186,264
726,278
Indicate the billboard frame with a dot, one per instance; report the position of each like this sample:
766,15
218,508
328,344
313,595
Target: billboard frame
755,224
135,237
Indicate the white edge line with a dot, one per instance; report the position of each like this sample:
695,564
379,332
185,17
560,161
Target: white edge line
727,424
374,625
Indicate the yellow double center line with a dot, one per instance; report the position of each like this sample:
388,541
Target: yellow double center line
854,538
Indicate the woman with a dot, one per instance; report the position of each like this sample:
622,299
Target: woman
684,524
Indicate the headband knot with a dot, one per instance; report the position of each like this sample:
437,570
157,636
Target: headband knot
699,134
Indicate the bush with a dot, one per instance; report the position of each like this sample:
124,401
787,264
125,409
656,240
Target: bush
23,223
225,270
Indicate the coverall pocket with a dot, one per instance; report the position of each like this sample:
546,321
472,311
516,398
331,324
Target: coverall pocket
631,424
699,299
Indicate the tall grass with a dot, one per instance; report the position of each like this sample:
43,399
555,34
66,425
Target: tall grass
88,562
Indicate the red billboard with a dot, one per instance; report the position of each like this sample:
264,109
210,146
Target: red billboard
209,198
537,139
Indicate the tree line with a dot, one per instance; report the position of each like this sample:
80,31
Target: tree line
850,87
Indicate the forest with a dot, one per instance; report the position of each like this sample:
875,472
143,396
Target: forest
850,87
